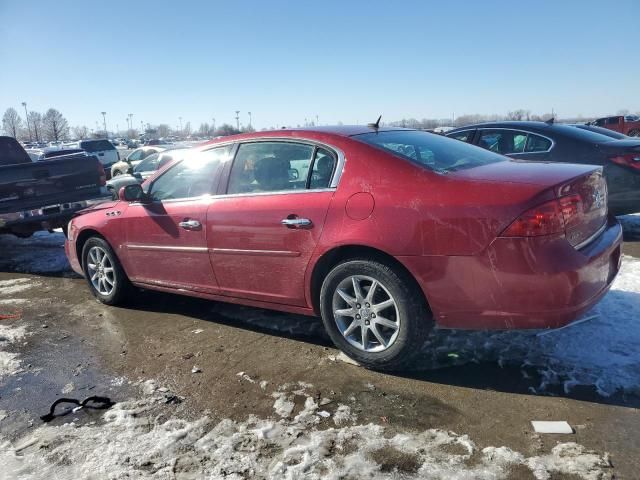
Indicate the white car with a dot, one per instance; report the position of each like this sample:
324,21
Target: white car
101,148
134,158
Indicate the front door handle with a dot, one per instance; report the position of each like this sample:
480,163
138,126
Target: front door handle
295,222
190,225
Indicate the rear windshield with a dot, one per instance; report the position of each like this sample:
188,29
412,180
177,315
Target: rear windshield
436,152
97,146
58,153
582,134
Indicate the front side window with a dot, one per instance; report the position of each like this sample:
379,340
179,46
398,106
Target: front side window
503,141
148,164
270,167
430,150
192,177
136,155
536,143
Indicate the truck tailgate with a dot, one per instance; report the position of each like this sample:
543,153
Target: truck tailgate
32,185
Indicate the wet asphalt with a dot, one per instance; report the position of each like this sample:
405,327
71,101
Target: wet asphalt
83,348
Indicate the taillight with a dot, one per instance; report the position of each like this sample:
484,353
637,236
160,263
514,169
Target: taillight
631,160
550,218
103,175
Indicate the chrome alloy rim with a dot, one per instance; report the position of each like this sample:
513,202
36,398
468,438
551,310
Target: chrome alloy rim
366,313
101,271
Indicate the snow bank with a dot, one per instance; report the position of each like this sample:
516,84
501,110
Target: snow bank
41,253
603,352
134,443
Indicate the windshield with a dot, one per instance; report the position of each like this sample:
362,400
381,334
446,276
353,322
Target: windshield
436,152
148,164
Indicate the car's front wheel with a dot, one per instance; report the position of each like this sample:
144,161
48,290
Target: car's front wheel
104,274
375,313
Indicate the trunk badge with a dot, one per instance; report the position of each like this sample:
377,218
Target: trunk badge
597,198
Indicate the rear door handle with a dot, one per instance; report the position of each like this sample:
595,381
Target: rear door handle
190,225
295,222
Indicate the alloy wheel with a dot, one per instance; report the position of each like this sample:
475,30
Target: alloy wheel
366,313
101,271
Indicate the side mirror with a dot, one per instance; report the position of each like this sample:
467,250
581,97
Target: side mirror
132,193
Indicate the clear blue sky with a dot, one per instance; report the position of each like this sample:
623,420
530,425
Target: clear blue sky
341,60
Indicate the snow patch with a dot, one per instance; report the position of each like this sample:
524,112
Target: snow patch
10,334
41,253
134,443
16,285
603,352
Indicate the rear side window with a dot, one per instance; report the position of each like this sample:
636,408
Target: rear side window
97,146
536,143
192,177
503,141
436,152
270,167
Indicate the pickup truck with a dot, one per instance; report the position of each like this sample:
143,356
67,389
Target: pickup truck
46,194
627,125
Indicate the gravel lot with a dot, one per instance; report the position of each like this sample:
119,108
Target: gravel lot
211,390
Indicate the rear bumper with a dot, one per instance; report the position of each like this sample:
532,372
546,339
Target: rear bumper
519,283
46,217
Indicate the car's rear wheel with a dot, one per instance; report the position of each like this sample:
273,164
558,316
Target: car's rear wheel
104,274
375,313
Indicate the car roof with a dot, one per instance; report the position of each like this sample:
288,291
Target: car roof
335,130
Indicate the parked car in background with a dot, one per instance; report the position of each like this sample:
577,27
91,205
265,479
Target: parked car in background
551,142
628,125
102,149
126,166
384,233
132,143
603,131
45,194
144,169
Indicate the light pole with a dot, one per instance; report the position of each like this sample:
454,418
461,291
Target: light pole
26,117
238,120
104,121
249,118
180,118
130,122
213,127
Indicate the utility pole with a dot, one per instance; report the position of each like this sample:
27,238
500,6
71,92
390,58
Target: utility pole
180,118
104,120
130,122
249,118
317,121
26,117
213,128
238,120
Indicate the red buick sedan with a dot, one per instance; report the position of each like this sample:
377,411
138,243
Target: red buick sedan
384,233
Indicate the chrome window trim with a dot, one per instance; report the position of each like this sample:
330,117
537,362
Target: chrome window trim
553,143
275,192
340,157
451,134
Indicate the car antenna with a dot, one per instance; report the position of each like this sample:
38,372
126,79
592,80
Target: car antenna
550,121
375,125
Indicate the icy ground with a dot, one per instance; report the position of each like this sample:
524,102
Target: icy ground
41,253
142,439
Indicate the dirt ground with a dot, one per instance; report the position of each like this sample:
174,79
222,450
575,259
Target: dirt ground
232,362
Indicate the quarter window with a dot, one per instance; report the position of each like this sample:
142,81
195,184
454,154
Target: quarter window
324,164
271,167
462,136
536,143
192,177
503,141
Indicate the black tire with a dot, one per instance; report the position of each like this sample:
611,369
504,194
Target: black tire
121,285
415,323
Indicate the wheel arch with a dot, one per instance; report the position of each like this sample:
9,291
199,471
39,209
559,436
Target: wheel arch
82,238
343,253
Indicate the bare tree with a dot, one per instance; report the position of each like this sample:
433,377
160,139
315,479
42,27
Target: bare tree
35,122
55,126
226,129
623,112
519,115
163,130
187,129
11,122
81,132
204,129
